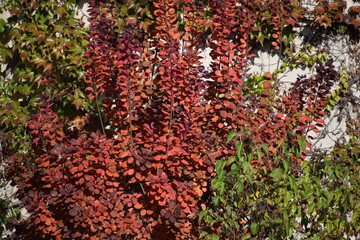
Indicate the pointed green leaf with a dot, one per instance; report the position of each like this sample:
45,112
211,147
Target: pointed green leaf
254,228
302,143
230,136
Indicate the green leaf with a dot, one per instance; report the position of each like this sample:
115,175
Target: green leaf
259,154
124,10
286,164
277,174
292,181
254,228
222,188
247,236
202,214
287,196
217,201
302,143
230,136
2,25
212,237
219,165
308,193
5,52
230,160
221,174
311,207
203,234
288,229
240,187
265,147
250,157
239,149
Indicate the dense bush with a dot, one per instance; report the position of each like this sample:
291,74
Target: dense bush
118,131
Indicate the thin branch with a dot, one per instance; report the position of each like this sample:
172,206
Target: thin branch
98,110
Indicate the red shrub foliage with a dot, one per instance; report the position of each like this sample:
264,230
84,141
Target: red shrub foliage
145,173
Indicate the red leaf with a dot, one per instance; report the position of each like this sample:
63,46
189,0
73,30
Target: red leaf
158,12
218,73
43,218
176,35
44,164
138,206
48,221
218,106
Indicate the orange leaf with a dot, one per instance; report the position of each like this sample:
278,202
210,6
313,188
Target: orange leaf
43,218
162,203
48,222
130,172
158,12
96,203
279,115
146,63
176,35
108,173
319,120
157,157
92,228
356,23
218,73
319,9
215,118
138,206
267,85
171,11
218,106
44,164
355,9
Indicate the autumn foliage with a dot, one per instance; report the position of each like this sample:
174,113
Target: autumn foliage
140,166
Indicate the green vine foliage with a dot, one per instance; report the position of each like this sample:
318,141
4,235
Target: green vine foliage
319,201
42,44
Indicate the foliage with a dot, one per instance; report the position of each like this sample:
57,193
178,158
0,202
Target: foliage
117,132
318,201
42,44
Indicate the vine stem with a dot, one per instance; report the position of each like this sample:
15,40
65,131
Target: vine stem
171,119
130,111
98,110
